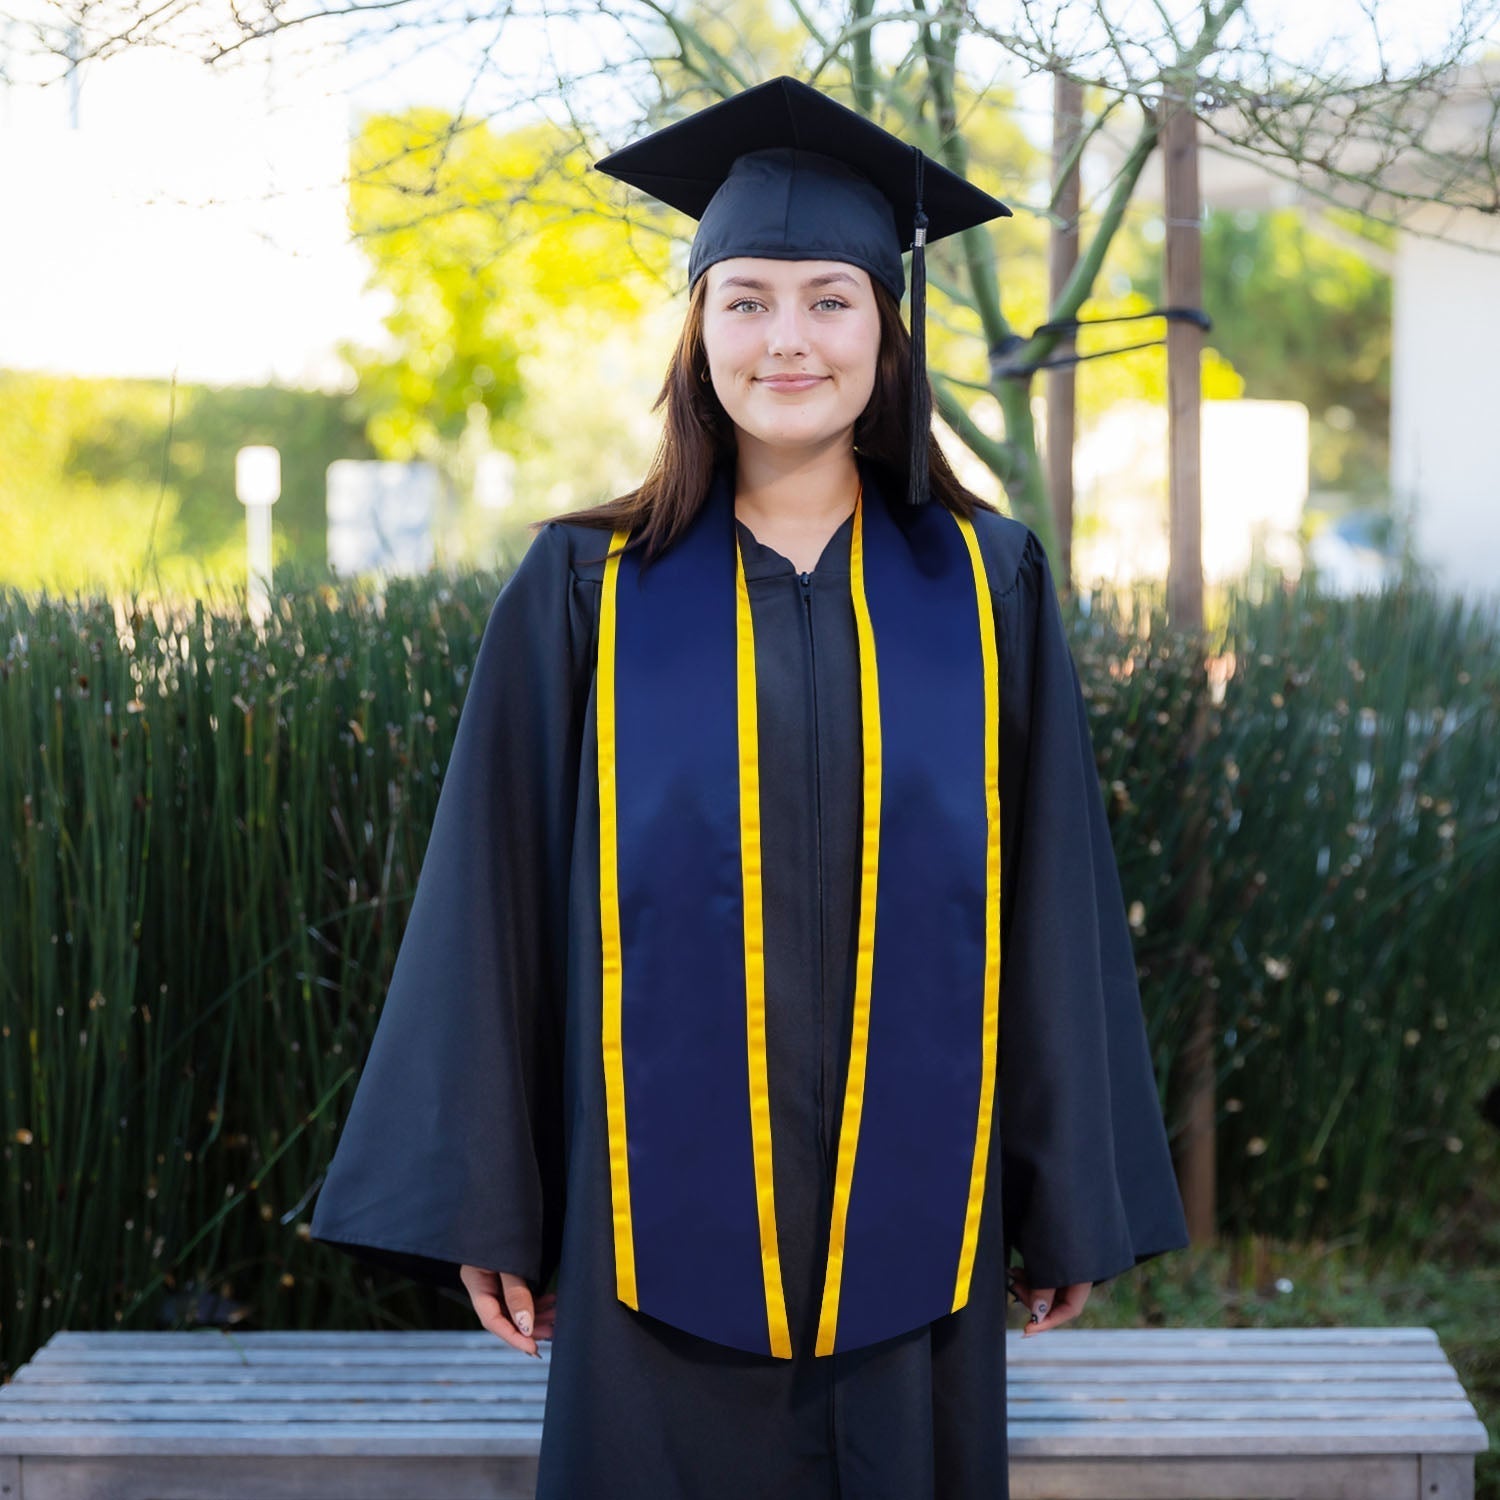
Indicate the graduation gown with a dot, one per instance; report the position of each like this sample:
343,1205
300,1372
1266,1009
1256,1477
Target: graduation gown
478,1131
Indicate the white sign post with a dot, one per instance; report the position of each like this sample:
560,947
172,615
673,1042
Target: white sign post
381,516
257,482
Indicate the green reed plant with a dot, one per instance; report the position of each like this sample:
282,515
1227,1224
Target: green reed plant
1349,787
211,832
1362,784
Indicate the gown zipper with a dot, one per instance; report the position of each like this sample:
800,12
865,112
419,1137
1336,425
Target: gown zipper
806,581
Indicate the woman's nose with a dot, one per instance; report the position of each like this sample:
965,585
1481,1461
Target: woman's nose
786,336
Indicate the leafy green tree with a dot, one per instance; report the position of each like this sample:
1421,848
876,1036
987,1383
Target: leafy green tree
497,256
108,481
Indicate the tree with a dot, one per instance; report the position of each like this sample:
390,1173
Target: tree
490,247
1358,127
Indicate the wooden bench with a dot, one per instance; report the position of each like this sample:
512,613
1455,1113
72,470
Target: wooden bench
1372,1413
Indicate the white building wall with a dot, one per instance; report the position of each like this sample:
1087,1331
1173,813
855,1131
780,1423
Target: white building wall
1445,397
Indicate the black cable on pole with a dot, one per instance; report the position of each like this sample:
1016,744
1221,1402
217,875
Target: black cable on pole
1002,368
1194,315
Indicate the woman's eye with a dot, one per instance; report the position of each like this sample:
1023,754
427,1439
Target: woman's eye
833,302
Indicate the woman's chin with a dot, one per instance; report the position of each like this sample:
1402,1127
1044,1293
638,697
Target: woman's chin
810,435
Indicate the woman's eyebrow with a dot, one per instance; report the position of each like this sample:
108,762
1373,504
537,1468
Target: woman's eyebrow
825,279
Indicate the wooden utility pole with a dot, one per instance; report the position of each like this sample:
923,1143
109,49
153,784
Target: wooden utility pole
1184,288
1067,127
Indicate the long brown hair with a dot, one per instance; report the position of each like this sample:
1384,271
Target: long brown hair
698,435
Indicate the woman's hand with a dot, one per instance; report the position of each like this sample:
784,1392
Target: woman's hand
1049,1307
502,1302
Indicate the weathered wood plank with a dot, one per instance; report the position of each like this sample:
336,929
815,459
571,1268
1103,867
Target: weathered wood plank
1085,1438
1053,1348
476,1338
65,1341
470,1439
235,1413
1360,1395
523,1371
1195,1479
1062,1350
186,1396
479,1439
1445,1477
1396,1422
1070,1436
227,1357
345,1477
1304,1375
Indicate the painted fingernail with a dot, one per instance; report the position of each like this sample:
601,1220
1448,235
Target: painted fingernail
1041,1310
523,1322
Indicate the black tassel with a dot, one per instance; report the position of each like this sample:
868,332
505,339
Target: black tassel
921,392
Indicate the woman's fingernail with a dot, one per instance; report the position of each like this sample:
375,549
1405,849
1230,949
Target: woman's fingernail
1041,1310
523,1322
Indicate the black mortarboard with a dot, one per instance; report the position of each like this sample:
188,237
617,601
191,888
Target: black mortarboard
784,172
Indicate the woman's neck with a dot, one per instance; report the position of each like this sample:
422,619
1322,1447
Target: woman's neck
794,491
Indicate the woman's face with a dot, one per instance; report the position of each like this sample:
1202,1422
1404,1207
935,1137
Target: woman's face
792,347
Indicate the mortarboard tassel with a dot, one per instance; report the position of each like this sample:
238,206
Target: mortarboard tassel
921,393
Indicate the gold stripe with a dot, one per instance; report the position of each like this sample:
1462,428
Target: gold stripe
989,1049
755,965
609,910
854,1089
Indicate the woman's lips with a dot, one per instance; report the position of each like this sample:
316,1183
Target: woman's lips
791,382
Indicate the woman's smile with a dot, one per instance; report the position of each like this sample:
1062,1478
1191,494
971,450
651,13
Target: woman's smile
790,382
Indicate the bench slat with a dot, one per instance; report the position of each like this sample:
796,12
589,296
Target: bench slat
1344,1477
1022,1374
1065,1437
249,1392
66,1344
1262,1359
210,1413
1395,1418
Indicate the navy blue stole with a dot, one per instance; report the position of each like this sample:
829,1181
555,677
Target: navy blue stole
683,1038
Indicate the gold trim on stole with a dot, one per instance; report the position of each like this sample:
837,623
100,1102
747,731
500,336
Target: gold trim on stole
854,1084
609,912
755,963
991,1045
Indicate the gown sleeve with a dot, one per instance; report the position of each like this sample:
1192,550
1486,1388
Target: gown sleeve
452,1150
1088,1186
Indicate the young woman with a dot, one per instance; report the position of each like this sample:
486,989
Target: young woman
768,978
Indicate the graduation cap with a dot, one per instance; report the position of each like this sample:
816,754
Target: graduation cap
783,172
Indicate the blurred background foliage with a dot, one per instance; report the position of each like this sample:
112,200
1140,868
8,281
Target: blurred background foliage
108,482
525,315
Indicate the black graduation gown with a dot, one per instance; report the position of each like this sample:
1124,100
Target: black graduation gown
478,1130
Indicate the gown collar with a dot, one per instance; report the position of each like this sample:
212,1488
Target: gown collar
762,561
